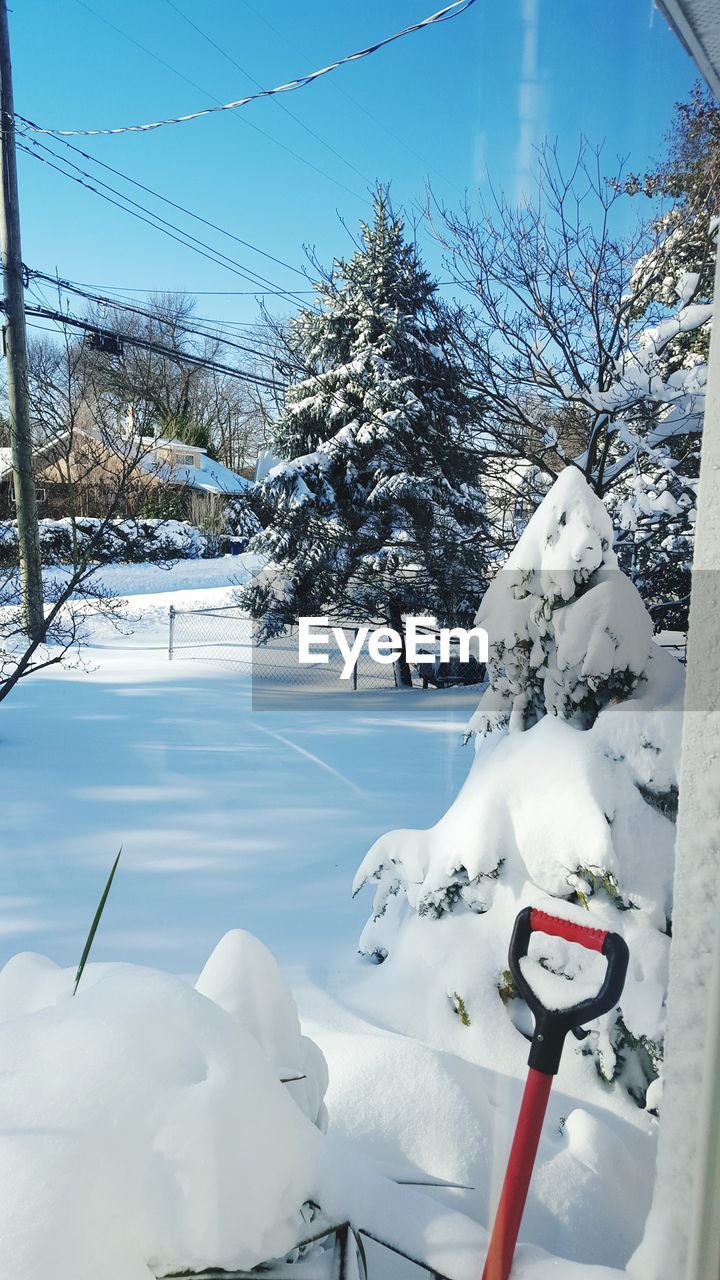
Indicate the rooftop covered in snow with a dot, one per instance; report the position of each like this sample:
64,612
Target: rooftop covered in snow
175,462
697,25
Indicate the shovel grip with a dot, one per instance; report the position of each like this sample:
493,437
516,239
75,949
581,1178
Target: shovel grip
552,1025
557,927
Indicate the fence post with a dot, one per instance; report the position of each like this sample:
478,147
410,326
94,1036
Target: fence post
354,672
171,634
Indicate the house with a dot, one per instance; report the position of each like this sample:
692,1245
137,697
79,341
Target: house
86,472
186,466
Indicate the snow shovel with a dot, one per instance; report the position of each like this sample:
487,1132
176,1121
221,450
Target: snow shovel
551,1028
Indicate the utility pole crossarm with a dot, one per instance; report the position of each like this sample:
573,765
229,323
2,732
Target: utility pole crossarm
16,350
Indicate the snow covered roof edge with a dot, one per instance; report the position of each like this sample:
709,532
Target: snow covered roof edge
695,23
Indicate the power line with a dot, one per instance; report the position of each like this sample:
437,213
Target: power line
157,195
451,11
278,102
181,357
202,293
140,212
360,105
201,89
130,308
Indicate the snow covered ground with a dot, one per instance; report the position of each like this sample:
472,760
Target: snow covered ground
232,818
227,818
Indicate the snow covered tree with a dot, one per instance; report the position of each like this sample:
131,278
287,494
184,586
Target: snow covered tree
568,632
653,509
378,509
569,805
653,505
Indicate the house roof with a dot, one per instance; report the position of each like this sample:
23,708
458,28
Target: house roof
6,465
210,476
695,23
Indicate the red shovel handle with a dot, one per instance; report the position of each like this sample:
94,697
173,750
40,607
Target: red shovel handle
552,1025
557,927
551,1028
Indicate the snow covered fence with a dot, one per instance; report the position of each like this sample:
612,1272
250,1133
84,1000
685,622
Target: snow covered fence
335,1254
228,634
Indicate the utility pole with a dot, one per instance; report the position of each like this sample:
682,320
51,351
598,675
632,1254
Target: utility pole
16,351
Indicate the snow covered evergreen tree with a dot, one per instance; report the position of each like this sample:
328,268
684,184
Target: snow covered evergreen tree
654,504
569,805
568,632
378,509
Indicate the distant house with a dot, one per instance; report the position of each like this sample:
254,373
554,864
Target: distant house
187,466
81,472
7,496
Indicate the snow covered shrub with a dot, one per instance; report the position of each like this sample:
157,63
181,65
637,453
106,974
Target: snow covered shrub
241,520
125,541
243,978
145,1129
567,631
568,804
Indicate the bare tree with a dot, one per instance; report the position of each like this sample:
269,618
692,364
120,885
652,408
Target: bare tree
191,401
98,409
567,336
96,462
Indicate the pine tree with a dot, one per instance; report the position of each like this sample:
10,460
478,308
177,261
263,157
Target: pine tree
378,510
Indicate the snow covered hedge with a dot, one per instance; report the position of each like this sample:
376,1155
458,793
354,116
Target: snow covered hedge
124,541
569,804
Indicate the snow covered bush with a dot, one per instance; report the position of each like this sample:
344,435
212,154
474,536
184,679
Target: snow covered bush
240,518
243,978
126,541
569,804
145,1130
568,633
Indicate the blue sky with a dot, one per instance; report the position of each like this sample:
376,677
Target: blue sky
452,103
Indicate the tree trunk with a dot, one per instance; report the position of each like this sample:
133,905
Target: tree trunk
403,675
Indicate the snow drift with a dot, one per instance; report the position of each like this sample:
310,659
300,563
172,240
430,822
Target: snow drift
143,1130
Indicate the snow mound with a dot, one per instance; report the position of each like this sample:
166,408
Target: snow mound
143,1129
418,1113
243,978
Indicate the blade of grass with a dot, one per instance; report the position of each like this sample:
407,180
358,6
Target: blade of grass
360,1250
96,922
432,1182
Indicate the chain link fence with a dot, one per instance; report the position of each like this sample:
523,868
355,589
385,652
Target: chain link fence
227,634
